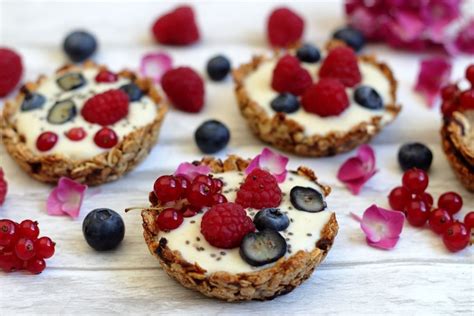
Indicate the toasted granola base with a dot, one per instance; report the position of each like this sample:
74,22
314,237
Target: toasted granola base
281,278
105,167
288,135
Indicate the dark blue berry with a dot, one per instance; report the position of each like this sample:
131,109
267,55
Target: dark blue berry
352,37
271,218
285,102
133,91
368,98
264,247
32,101
308,53
71,81
218,68
103,229
307,199
62,112
212,136
415,155
80,45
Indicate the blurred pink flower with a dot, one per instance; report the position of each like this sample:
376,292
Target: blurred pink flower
356,171
434,74
154,65
66,198
190,170
270,161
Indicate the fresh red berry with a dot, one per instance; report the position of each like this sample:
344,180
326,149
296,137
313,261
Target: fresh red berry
36,265
470,74
456,237
200,195
451,202
448,107
44,247
415,180
169,219
185,88
218,184
76,134
284,27
417,212
469,220
328,97
8,233
259,190
398,198
439,220
46,141
218,198
189,211
9,262
202,178
106,138
3,187
177,27
106,108
28,229
11,70
428,199
341,64
289,76
105,76
225,225
167,188
184,183
466,99
449,91
25,249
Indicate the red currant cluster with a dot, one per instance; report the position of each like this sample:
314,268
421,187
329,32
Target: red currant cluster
203,191
412,199
455,99
20,247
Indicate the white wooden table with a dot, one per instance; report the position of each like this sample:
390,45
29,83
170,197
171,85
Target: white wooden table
418,277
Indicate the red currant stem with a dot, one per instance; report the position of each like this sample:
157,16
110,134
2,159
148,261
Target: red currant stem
356,217
135,208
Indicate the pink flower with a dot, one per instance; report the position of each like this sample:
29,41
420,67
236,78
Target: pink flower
66,198
270,161
381,227
191,171
434,73
356,171
464,41
154,65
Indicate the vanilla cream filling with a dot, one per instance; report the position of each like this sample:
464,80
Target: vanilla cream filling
302,234
32,123
259,88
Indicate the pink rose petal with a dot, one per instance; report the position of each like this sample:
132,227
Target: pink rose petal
66,198
464,41
154,65
356,171
191,171
434,73
270,161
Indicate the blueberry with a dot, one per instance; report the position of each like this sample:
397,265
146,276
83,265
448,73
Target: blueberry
285,102
133,91
307,199
212,136
352,37
415,155
271,218
258,249
308,53
80,45
368,98
103,229
218,67
32,101
62,112
71,81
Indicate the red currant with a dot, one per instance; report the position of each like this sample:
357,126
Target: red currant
184,183
449,92
456,237
106,76
200,195
44,247
415,180
466,99
448,107
76,134
218,184
428,199
9,262
106,138
439,220
8,233
398,198
189,211
28,229
36,265
167,188
469,219
46,141
450,201
417,213
204,179
169,219
218,198
470,74
25,249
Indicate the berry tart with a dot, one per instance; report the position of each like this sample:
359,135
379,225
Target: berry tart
457,132
84,122
234,231
311,105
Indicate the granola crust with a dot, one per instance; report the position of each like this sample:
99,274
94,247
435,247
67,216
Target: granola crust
281,278
288,135
105,167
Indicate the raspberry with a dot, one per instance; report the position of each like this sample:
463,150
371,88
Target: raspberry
185,88
328,97
106,108
225,225
177,27
284,27
341,64
259,190
289,76
3,187
11,70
